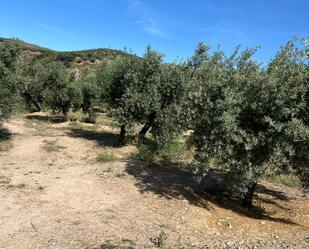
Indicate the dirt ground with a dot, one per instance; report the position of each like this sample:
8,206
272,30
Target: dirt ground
64,199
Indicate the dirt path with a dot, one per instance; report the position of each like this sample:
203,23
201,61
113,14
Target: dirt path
63,199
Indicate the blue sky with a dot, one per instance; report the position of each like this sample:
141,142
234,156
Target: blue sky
174,27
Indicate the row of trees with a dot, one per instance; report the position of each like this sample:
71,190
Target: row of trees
244,117
8,56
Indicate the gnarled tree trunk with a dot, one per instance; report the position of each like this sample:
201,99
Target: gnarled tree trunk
37,106
248,198
146,127
122,135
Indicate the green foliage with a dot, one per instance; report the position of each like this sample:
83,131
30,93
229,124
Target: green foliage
151,96
141,95
32,83
105,157
172,151
111,79
56,87
245,118
48,83
147,152
90,94
112,82
8,56
199,57
169,122
249,118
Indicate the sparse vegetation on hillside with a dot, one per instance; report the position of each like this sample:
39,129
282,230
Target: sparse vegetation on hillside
84,59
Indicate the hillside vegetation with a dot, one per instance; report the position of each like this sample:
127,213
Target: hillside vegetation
72,59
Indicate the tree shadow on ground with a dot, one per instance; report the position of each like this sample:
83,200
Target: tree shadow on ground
178,182
47,119
102,138
5,137
5,134
271,192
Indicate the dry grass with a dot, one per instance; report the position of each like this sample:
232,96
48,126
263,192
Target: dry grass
81,204
52,146
289,180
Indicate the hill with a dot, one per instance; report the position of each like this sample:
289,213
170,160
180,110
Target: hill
72,59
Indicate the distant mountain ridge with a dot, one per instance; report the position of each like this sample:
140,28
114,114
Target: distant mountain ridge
72,59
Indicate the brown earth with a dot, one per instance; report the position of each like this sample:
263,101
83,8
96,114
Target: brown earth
64,199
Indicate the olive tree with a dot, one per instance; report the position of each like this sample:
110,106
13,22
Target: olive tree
170,121
248,119
152,96
199,57
32,83
112,82
60,91
8,57
89,95
141,100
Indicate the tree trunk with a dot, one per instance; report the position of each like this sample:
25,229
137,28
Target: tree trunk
122,136
146,127
30,100
248,198
37,106
65,113
143,132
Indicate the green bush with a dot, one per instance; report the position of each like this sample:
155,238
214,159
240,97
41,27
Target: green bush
105,157
174,151
147,152
150,152
78,60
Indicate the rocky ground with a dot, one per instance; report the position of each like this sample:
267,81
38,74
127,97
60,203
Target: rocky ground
55,195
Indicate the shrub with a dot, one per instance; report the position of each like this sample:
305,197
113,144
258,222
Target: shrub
105,157
173,151
147,152
78,60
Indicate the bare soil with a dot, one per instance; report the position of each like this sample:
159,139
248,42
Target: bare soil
64,199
